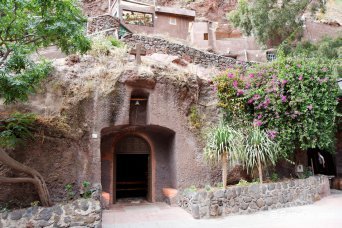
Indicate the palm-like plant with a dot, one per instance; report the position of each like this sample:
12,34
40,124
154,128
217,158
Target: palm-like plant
223,144
259,150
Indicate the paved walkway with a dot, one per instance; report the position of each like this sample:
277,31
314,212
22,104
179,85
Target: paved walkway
326,213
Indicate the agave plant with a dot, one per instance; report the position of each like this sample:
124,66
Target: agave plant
223,144
259,150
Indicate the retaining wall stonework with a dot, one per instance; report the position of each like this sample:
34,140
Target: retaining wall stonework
79,213
103,23
206,59
256,197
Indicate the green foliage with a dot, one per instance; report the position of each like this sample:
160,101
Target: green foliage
274,177
35,203
307,173
115,42
219,185
231,89
294,100
16,86
208,188
86,190
27,26
195,118
258,145
190,189
327,48
100,46
270,21
15,128
222,139
69,189
244,183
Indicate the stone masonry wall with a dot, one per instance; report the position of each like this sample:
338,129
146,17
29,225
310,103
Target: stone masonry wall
103,23
256,197
159,45
79,213
206,59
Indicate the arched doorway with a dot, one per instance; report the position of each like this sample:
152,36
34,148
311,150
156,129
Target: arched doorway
132,169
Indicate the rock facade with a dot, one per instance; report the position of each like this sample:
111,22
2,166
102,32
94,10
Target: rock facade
256,197
79,213
206,59
103,24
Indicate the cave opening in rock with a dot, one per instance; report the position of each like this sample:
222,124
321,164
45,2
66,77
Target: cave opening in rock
132,175
132,168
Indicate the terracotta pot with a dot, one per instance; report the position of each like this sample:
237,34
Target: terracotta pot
337,184
170,192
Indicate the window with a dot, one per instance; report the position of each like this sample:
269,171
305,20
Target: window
173,21
205,36
137,18
270,56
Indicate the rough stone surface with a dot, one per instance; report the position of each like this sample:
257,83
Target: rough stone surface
206,59
82,213
103,23
251,199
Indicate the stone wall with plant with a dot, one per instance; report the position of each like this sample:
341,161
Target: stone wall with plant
206,59
254,197
80,213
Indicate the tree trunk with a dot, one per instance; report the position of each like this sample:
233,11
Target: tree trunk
224,158
36,179
259,169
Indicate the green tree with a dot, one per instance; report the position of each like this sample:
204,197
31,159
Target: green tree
25,27
223,144
259,150
270,21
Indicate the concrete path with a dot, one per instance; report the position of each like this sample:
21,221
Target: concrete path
326,213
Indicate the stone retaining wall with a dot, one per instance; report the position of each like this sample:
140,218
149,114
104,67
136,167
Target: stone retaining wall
79,213
206,59
103,23
256,197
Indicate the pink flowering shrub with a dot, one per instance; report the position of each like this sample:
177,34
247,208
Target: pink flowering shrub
294,100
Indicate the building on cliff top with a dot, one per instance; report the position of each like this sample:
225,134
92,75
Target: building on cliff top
143,17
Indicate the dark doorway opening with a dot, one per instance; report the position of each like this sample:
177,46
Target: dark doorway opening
321,161
132,175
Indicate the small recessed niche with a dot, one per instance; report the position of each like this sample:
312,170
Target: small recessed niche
138,108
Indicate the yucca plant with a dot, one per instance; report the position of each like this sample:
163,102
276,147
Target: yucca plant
223,144
259,150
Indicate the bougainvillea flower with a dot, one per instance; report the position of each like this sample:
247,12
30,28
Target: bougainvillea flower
235,84
240,92
283,98
257,123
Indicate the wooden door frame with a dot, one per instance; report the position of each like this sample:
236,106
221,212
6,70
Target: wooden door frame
151,166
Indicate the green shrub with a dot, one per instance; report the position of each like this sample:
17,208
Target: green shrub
243,182
274,177
208,188
115,42
69,189
35,203
190,189
86,191
195,118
